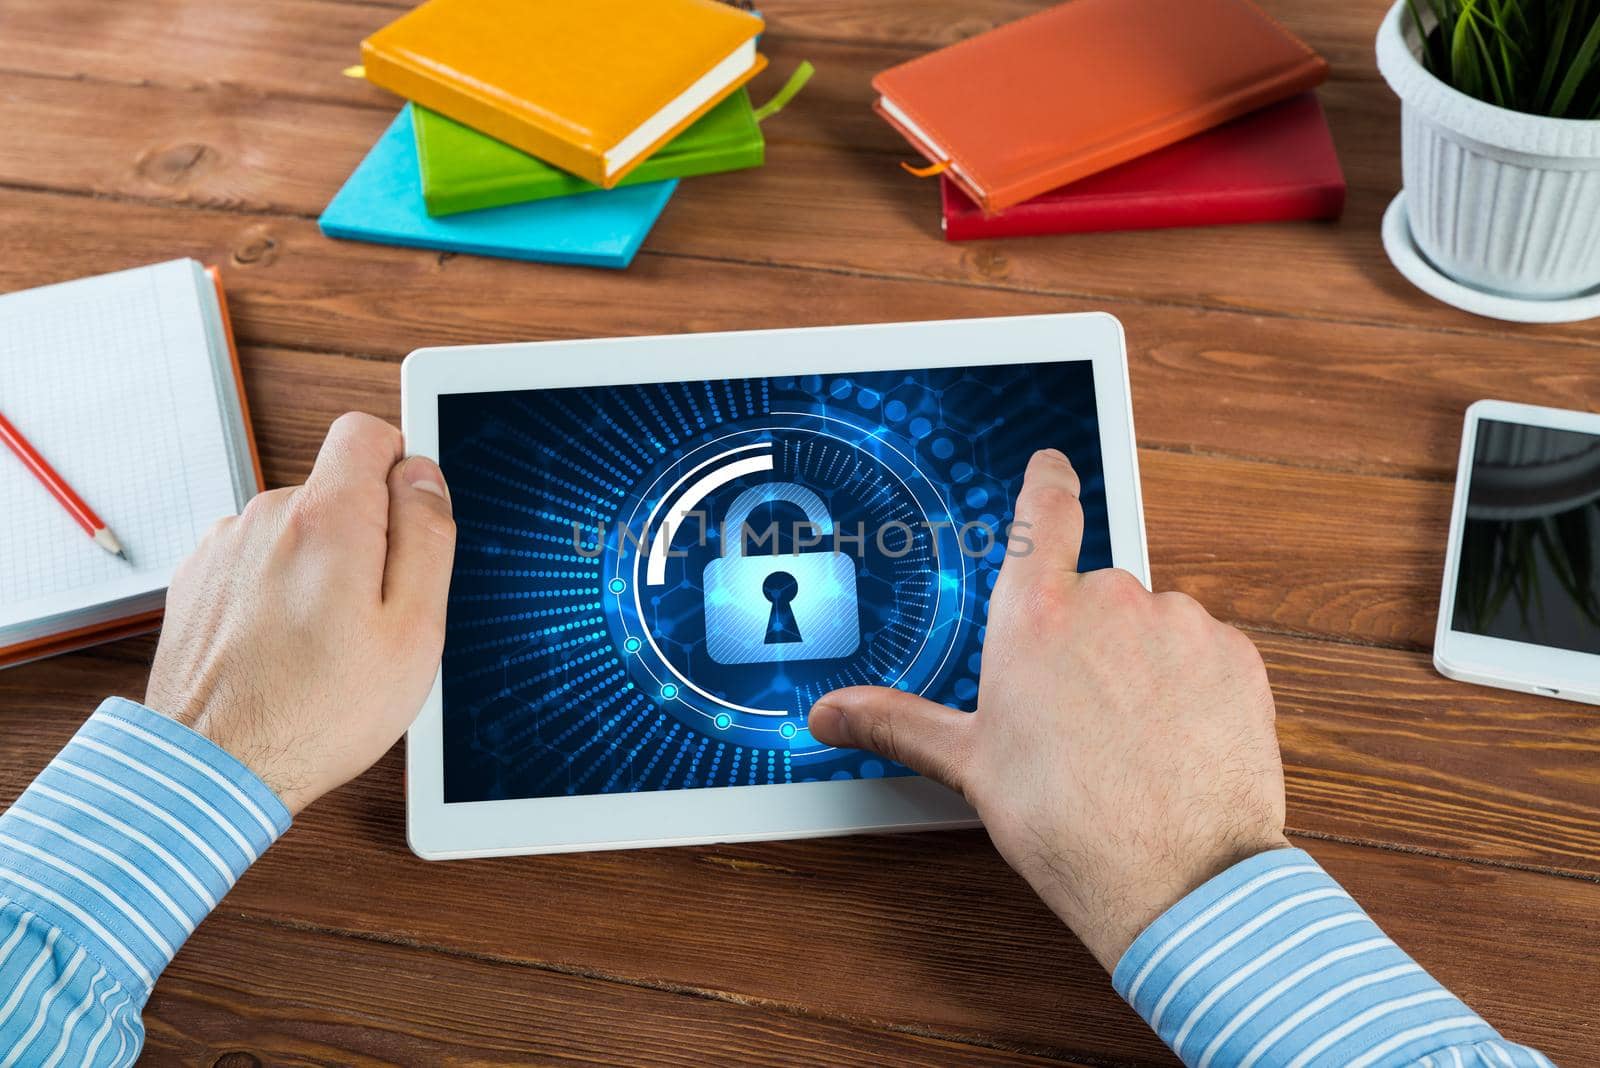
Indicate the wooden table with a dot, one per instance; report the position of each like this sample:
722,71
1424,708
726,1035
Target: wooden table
1298,405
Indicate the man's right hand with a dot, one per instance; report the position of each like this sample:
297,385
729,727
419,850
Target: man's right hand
1123,749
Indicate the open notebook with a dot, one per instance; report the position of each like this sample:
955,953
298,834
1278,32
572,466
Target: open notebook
128,385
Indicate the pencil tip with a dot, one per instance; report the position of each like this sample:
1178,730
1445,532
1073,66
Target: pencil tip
108,541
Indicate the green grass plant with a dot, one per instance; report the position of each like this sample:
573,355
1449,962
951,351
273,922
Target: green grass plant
1541,57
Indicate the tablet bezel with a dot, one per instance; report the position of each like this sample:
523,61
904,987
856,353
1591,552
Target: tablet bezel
1502,662
439,831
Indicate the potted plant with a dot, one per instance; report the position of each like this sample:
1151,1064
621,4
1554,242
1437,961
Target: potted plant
1500,140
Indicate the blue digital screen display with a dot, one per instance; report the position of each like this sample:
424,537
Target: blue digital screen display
654,583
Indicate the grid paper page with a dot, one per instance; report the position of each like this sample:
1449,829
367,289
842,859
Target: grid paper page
112,380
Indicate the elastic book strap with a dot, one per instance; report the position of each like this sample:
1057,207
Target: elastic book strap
926,172
797,81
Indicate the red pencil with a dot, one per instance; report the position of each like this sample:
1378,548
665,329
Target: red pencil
91,523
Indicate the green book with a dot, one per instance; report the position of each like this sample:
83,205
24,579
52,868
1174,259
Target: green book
464,170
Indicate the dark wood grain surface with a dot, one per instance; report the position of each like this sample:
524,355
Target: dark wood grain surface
1298,407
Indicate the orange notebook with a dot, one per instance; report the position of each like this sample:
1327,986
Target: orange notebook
1079,88
590,86
129,385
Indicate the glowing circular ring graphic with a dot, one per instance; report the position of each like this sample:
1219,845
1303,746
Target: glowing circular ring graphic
666,530
638,607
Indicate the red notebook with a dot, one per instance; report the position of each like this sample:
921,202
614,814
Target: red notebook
1083,86
1274,164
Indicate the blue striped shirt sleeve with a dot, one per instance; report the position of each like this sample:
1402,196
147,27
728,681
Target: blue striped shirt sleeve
107,862
1273,963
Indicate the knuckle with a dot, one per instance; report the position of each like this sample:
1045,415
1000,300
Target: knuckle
302,515
360,502
1050,501
1246,650
1048,599
358,423
1241,653
437,526
1177,601
880,737
254,509
1116,587
1039,600
1181,609
265,504
360,426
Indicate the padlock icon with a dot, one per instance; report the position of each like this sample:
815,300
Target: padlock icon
761,609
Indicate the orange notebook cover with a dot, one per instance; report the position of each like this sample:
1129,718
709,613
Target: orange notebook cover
1086,85
140,622
590,86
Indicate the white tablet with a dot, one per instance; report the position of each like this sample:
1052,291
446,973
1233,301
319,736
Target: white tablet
1520,606
670,547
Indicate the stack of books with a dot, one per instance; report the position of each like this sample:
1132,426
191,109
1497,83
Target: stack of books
1118,115
550,130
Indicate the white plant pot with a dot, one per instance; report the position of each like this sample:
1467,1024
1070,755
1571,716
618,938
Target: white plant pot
1499,200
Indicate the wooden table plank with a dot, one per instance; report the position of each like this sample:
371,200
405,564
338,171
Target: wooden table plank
829,114
1343,33
288,996
285,48
1380,748
931,933
194,44
1303,392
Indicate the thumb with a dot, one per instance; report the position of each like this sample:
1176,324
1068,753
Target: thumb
929,739
422,541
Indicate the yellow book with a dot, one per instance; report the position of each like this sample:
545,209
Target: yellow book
591,86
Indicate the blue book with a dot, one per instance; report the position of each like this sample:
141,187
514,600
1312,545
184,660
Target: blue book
382,202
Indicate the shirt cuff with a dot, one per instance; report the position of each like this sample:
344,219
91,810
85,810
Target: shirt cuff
1273,962
131,836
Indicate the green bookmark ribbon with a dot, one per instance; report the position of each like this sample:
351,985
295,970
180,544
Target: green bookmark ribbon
797,81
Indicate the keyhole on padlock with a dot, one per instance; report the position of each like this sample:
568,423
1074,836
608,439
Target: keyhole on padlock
780,588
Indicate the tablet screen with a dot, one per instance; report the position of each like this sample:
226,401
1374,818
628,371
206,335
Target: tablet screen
654,583
1530,552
